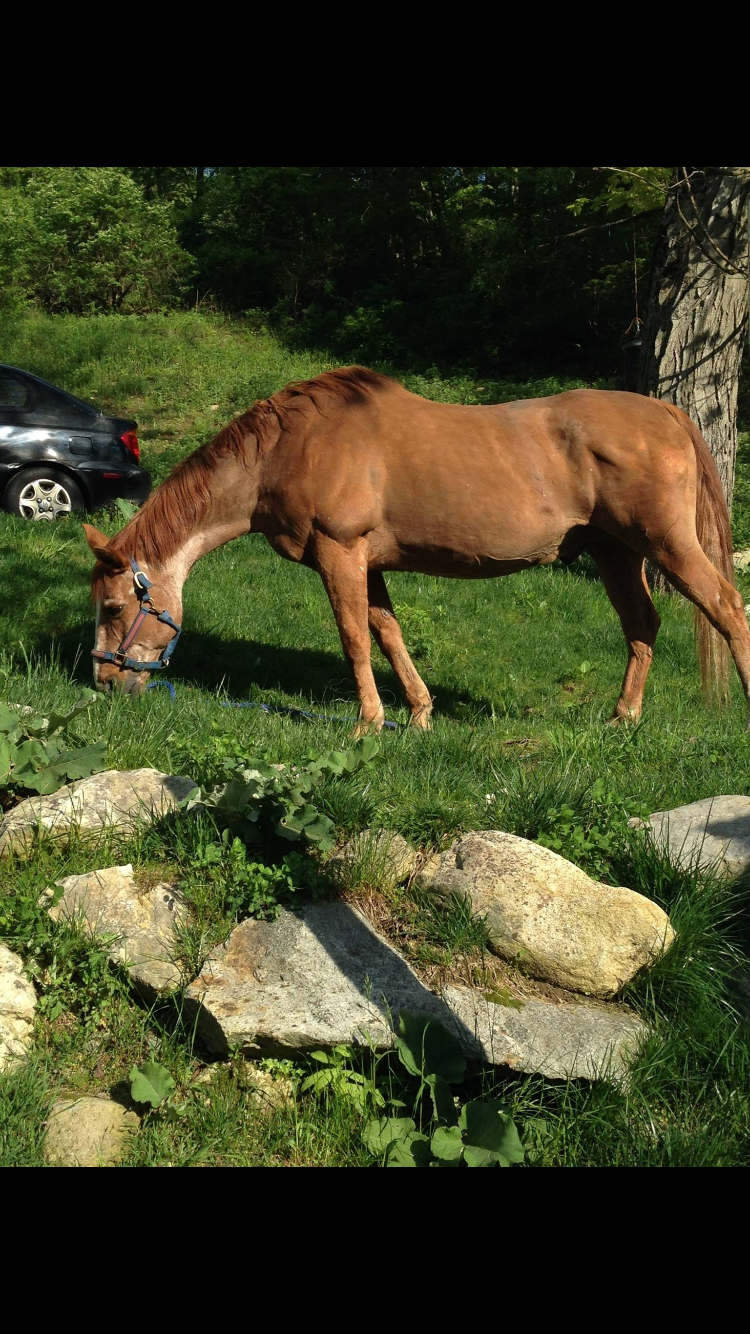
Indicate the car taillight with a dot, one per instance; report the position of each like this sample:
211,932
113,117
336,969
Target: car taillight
130,440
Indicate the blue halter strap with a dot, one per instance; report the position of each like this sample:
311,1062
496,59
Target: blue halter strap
146,608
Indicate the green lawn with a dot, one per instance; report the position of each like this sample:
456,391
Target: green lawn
525,672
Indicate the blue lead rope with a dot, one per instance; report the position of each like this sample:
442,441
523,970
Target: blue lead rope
275,708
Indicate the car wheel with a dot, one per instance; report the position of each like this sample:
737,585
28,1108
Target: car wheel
42,494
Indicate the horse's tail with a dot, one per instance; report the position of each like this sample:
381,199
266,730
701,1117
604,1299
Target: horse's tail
713,526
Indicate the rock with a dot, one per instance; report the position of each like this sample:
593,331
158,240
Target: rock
548,916
17,1006
88,1132
428,871
325,976
267,1093
139,925
710,834
110,800
307,980
571,1041
379,856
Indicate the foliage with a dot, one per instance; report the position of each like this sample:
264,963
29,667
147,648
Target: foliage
636,189
240,888
425,264
336,1076
86,239
35,753
480,1134
150,1083
589,833
471,266
275,799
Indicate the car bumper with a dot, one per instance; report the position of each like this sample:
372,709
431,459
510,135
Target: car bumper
130,484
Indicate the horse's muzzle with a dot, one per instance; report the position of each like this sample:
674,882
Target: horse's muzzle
125,682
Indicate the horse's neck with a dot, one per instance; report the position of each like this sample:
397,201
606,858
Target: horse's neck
229,515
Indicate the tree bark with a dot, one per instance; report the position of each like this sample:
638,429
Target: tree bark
697,313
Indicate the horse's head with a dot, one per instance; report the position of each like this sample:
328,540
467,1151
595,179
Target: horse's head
135,617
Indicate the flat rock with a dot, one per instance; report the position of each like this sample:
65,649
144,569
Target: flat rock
110,800
88,1132
325,976
138,925
17,1006
710,834
570,1041
546,915
310,979
379,857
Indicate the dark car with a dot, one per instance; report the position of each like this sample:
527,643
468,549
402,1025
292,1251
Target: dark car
58,454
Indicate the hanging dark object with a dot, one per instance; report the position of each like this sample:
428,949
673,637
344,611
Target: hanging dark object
631,350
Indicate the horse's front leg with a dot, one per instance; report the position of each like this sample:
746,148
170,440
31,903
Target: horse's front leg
343,570
387,634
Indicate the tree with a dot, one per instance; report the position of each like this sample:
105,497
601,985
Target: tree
84,239
696,320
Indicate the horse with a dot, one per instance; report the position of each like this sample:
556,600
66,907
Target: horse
352,475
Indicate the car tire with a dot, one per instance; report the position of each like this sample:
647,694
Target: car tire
42,493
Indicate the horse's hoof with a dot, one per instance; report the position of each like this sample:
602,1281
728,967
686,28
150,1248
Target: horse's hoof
618,718
375,725
421,721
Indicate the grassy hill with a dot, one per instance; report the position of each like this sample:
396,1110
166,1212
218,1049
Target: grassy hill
525,672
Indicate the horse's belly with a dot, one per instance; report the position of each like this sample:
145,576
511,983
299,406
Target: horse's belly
460,561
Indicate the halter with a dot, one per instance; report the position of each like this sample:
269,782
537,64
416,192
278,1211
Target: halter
141,586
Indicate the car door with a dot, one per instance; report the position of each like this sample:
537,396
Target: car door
16,406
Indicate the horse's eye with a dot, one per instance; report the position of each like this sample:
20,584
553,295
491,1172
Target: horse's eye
114,608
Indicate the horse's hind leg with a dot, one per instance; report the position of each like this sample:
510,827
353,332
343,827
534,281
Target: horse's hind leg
344,574
698,579
622,573
387,634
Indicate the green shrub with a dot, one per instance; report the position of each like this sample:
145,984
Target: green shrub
34,753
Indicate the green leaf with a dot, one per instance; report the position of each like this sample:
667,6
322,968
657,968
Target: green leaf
82,762
474,1157
317,1081
442,1099
58,721
10,719
150,1083
380,1133
489,1132
5,760
447,1144
414,1151
366,749
425,1048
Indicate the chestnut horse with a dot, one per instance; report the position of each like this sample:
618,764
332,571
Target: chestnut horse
352,475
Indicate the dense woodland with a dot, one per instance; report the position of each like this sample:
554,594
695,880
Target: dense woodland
486,267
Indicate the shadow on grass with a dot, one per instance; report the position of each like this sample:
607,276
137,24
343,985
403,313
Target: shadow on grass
246,667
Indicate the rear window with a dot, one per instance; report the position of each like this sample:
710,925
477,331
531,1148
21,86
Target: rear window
13,392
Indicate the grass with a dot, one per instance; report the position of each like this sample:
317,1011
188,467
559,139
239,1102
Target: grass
525,672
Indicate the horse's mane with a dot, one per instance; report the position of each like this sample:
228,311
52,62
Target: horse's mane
180,503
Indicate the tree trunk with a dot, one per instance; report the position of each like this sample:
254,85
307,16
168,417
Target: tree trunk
697,313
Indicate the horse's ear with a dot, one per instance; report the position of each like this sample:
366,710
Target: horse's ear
99,543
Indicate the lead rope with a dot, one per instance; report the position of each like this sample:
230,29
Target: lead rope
274,708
